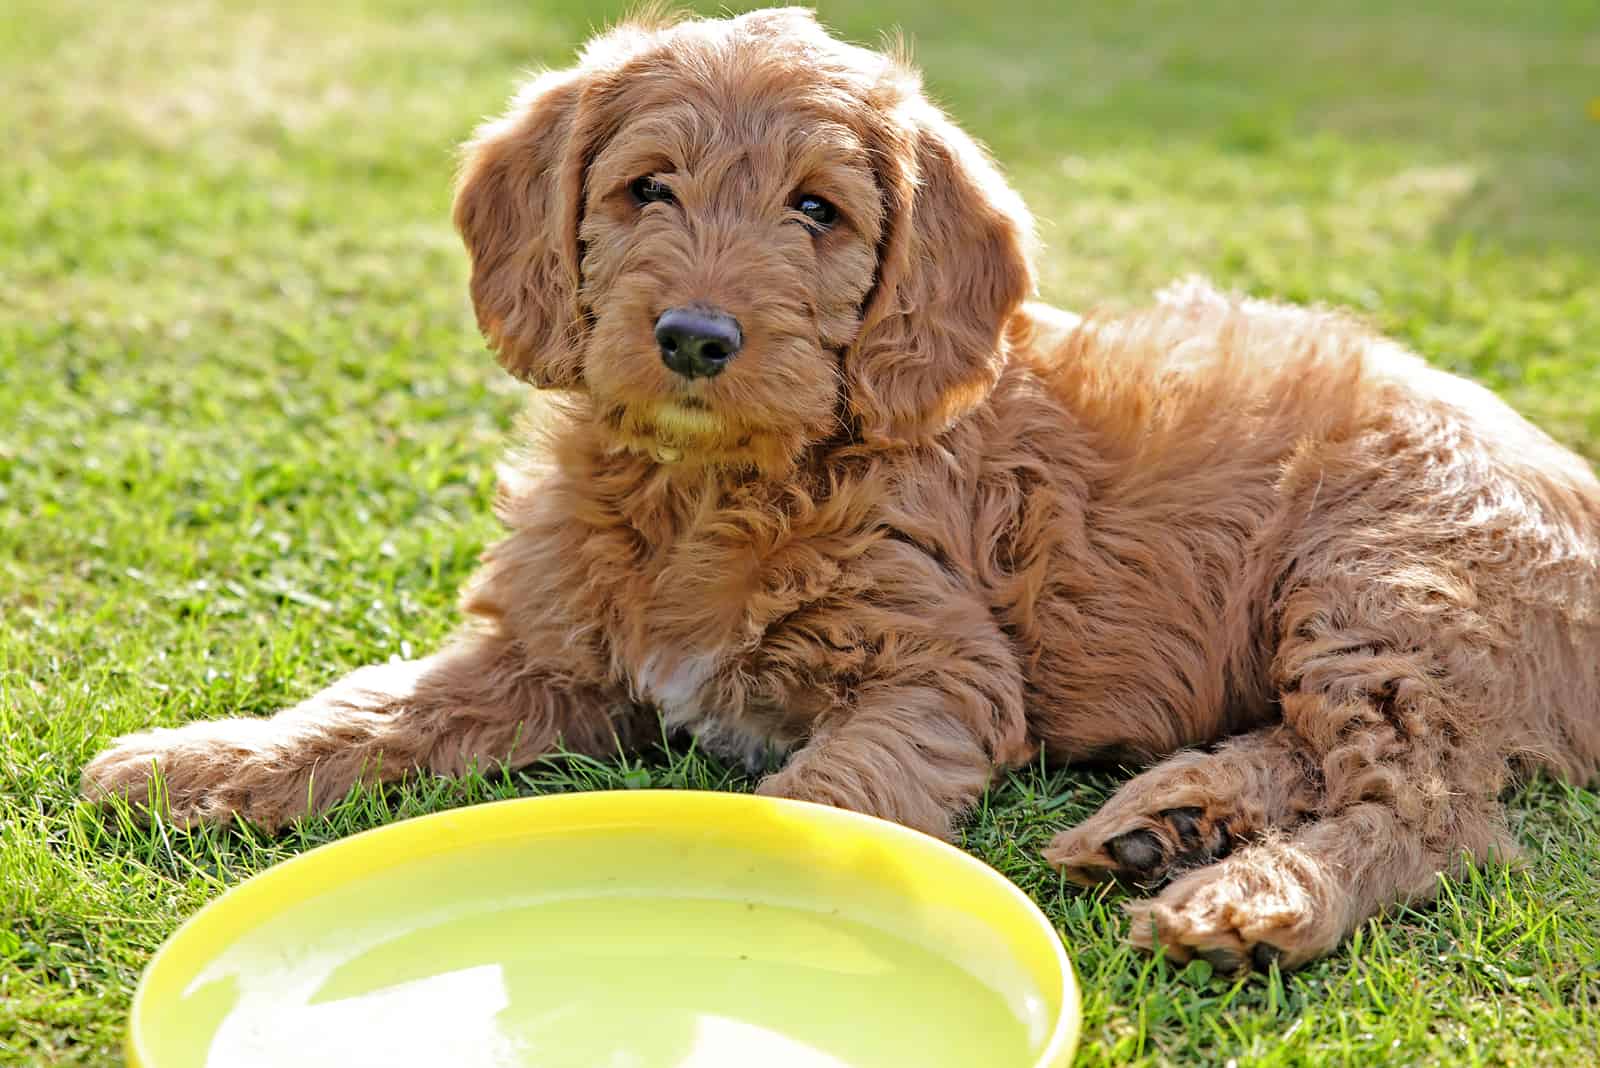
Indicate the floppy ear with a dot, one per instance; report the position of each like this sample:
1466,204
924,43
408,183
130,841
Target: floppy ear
952,269
518,198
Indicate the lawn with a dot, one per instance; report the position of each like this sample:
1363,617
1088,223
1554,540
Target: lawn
247,431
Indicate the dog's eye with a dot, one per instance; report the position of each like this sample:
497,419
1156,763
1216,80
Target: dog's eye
650,190
816,209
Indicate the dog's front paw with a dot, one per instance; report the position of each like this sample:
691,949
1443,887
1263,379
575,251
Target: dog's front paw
906,805
189,775
1261,907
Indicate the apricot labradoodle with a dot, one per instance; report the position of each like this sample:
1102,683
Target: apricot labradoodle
823,486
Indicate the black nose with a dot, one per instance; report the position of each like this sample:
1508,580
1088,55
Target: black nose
697,342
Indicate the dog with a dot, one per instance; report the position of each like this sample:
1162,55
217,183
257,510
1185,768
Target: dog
825,487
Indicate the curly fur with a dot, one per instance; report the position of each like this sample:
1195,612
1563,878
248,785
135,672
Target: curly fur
920,529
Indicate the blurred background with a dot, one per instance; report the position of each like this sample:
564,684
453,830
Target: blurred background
247,427
1434,164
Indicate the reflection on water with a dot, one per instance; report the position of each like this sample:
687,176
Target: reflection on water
719,1042
447,1019
629,978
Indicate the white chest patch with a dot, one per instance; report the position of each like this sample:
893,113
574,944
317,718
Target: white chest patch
674,682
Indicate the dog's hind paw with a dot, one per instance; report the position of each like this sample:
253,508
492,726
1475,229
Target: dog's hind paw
1147,852
1260,908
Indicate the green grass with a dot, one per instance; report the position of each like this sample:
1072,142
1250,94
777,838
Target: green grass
247,431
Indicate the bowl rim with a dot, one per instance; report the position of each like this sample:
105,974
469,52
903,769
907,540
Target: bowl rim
1057,1051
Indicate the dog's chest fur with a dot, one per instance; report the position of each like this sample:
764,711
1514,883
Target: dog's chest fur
703,600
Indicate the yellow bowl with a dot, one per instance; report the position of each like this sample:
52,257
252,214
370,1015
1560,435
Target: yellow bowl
638,929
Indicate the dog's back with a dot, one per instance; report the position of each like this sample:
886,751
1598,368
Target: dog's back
1240,453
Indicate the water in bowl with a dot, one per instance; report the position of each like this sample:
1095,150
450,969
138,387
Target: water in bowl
621,975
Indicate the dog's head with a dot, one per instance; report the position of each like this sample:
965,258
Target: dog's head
741,237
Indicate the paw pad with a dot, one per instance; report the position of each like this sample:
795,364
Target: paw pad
1139,853
1182,838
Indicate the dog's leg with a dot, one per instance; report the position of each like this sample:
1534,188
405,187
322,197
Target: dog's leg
896,759
1392,705
482,700
939,710
1292,899
1192,809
